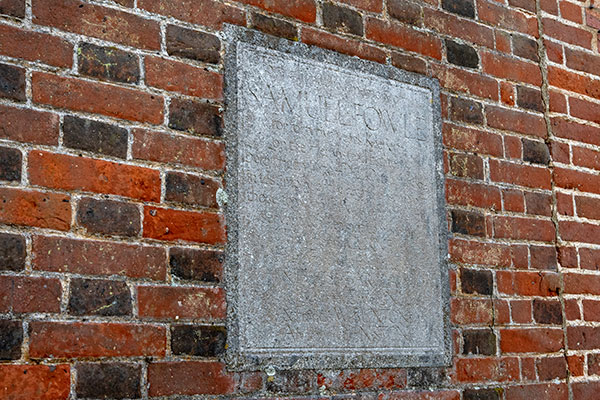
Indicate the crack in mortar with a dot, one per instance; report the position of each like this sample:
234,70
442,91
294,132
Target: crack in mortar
543,64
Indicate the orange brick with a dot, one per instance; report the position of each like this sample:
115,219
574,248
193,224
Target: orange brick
531,340
33,46
40,382
181,302
400,36
166,224
33,208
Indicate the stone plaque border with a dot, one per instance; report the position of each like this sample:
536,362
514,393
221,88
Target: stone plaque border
235,358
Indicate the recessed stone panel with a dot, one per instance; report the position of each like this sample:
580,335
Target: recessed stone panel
337,242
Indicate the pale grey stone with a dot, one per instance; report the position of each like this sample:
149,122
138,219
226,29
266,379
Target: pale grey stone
337,241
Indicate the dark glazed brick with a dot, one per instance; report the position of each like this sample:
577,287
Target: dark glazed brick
547,311
12,82
479,341
466,110
525,47
535,152
465,8
474,281
424,378
483,394
108,381
10,164
468,223
275,27
13,8
193,44
292,381
529,98
191,189
462,54
204,341
12,252
108,63
99,297
109,217
342,19
405,11
11,338
195,117
197,265
98,137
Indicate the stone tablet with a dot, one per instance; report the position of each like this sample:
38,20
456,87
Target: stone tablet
337,238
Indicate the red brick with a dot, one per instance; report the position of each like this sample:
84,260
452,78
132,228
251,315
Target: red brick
465,81
480,253
502,42
471,311
586,157
567,33
537,391
202,12
166,224
21,294
400,36
77,339
583,61
465,29
78,173
575,131
422,395
506,18
560,152
378,379
369,5
574,82
501,312
589,259
507,93
528,5
588,207
528,283
579,232
504,369
564,203
571,179
528,369
513,200
567,257
25,125
469,194
583,337
513,147
509,68
409,63
91,257
343,45
189,378
531,340
516,121
183,78
474,140
585,109
181,302
40,382
582,283
114,101
33,46
550,6
585,390
520,311
519,174
304,10
33,208
572,311
575,364
96,21
591,310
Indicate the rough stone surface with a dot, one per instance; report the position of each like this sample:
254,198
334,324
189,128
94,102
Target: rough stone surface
325,268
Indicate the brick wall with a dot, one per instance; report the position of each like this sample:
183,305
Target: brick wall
111,154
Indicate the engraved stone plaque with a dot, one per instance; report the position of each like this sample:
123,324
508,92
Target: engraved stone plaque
337,240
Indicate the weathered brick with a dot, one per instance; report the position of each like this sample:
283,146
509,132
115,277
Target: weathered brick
523,228
464,8
275,27
195,340
108,380
19,294
482,394
191,189
461,54
466,110
567,33
13,8
468,223
466,166
304,10
529,98
99,297
194,377
516,121
95,97
467,194
78,173
459,28
513,69
109,217
343,45
409,62
108,63
33,46
582,61
531,340
554,391
202,12
475,281
585,390
195,117
166,224
24,125
538,203
577,83
86,339
197,265
526,283
94,136
405,11
586,157
518,174
291,382
12,252
342,19
471,311
12,82
479,341
520,311
473,140
464,81
196,45
525,47
181,302
482,369
92,20
571,179
574,231
90,257
33,208
10,164
400,36
11,338
547,311
40,382
507,18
